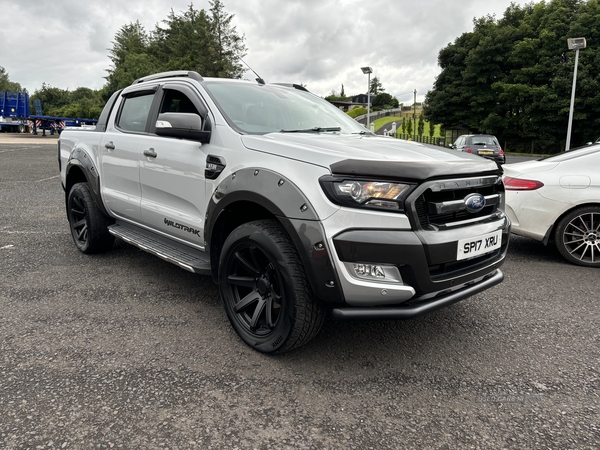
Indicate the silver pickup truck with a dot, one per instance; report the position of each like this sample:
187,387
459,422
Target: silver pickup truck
293,208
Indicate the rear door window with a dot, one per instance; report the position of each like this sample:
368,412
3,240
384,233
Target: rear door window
134,112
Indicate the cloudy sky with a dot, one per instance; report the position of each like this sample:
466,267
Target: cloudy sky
320,43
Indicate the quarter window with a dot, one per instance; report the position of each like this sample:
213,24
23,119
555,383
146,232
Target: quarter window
176,101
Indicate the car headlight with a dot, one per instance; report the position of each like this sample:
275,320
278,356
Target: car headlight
370,194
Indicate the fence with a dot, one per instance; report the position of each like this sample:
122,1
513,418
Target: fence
440,141
373,115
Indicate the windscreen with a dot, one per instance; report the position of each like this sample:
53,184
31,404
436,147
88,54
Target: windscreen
484,140
261,109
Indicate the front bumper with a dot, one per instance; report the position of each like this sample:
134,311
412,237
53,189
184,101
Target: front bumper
427,263
533,215
416,309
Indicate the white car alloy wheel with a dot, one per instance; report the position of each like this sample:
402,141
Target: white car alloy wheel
578,236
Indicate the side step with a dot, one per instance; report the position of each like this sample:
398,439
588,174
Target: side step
167,249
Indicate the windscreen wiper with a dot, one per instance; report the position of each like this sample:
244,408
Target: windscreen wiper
313,130
364,132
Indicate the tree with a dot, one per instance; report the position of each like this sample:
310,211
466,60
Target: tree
383,100
335,97
134,66
404,120
129,57
421,124
197,40
227,47
52,98
131,38
431,128
409,125
512,77
6,84
376,86
82,103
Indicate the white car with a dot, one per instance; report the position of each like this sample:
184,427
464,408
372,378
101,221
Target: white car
558,198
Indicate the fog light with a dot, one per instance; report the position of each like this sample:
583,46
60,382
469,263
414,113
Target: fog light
374,272
368,271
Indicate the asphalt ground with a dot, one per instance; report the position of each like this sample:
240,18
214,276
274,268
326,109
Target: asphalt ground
124,350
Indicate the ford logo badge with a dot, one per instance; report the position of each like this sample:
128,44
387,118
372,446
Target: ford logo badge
474,202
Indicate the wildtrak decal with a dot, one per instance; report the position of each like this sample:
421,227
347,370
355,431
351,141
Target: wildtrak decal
179,226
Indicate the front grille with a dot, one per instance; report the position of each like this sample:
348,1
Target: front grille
434,194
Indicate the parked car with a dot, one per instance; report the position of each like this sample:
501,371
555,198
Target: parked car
484,145
558,199
290,205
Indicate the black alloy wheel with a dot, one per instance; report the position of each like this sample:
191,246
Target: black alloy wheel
89,227
79,218
264,288
257,289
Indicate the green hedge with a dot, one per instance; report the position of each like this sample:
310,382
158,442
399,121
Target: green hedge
355,112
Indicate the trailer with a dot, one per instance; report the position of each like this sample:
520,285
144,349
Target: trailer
14,111
15,116
56,124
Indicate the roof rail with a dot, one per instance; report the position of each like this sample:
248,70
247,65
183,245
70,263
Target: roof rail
175,73
295,86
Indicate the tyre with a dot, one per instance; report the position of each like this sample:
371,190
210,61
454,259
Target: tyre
263,285
89,226
578,236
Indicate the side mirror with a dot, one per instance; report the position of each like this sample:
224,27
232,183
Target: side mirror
451,145
183,126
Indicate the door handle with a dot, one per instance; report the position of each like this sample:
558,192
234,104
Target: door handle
150,153
109,145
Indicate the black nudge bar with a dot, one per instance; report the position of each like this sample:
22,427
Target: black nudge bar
416,310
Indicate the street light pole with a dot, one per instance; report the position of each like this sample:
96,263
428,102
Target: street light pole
574,44
368,71
415,117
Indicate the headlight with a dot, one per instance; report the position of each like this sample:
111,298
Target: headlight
384,195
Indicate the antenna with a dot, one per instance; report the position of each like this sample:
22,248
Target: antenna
259,79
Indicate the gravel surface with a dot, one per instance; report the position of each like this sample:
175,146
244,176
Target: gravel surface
124,350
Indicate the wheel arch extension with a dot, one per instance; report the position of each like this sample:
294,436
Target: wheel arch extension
254,194
81,169
550,233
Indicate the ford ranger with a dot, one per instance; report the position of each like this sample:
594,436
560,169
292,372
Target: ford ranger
293,208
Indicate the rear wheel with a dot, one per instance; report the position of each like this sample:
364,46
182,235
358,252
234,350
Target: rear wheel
264,288
89,226
578,236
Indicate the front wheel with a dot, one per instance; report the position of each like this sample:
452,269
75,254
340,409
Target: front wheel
264,287
89,226
578,236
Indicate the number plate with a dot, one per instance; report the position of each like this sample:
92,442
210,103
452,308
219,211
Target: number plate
485,153
480,245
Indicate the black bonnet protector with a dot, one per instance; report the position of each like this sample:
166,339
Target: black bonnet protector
414,170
